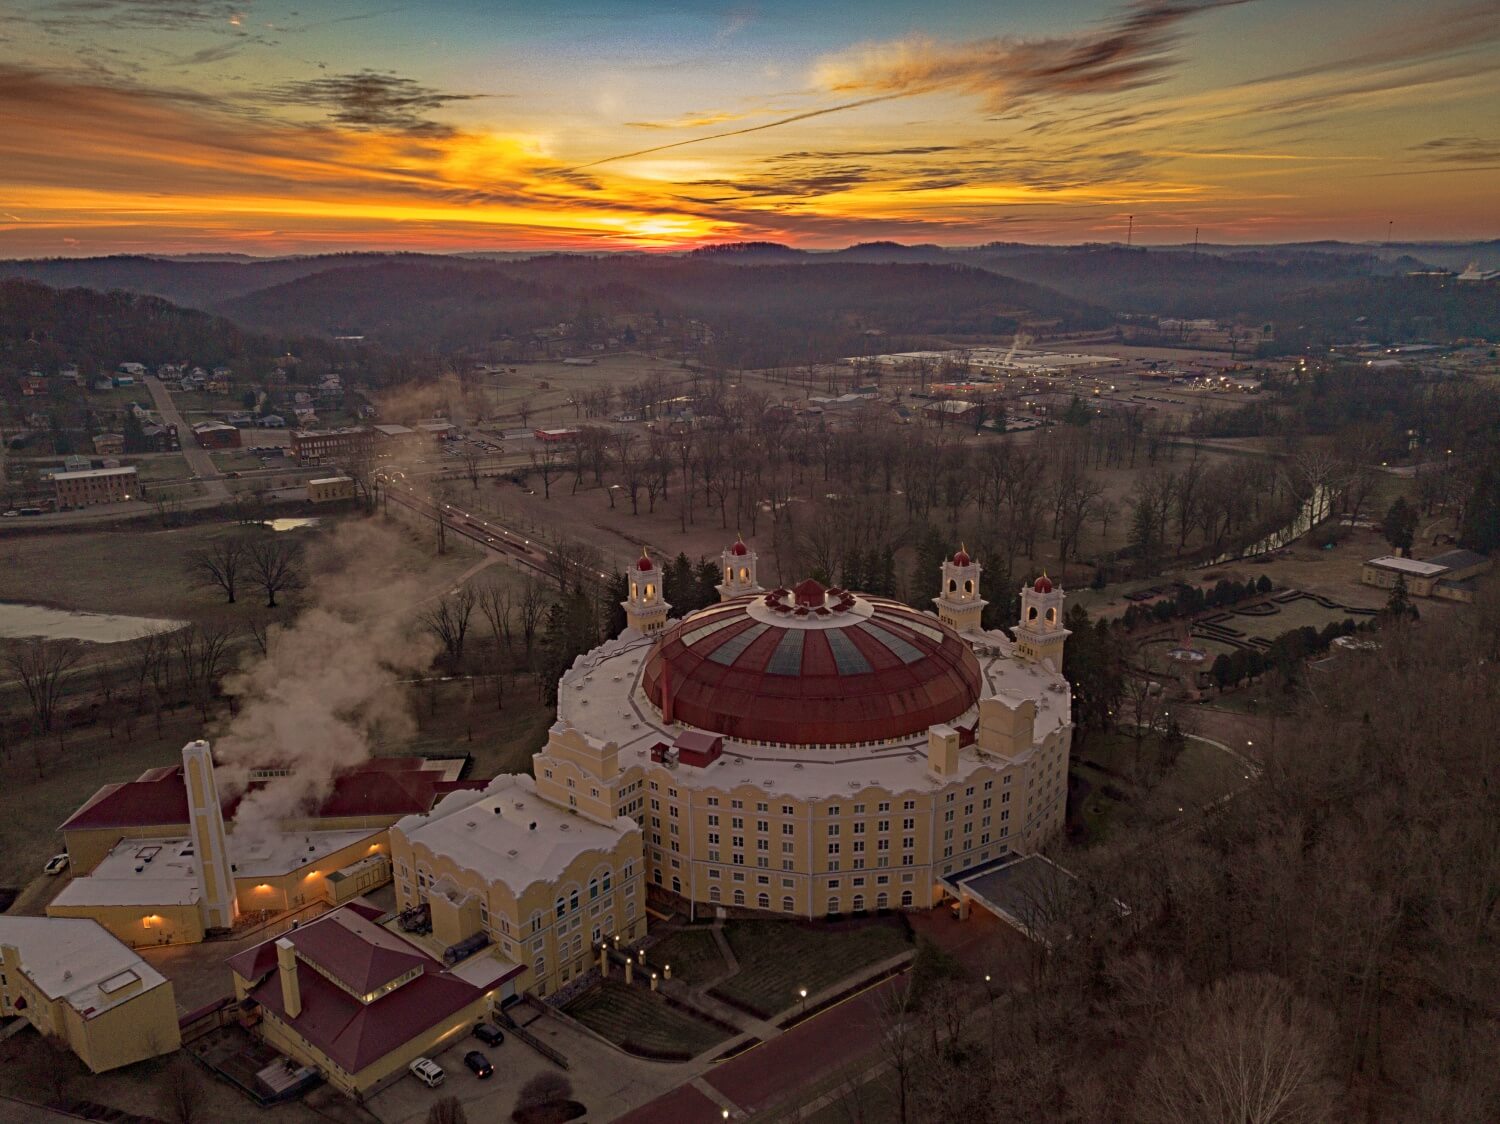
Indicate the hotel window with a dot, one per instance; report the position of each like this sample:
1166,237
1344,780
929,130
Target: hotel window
833,905
762,844
909,805
788,864
713,856
737,822
883,806
713,801
787,810
737,840
713,838
762,880
787,905
833,848
833,809
883,825
833,829
762,825
736,803
762,808
713,819
859,809
788,829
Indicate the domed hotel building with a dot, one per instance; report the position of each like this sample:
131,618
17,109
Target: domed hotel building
804,751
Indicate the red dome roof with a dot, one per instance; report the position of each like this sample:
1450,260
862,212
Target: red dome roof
644,562
849,669
739,547
961,558
1043,585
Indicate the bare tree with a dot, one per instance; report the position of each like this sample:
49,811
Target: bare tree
473,460
495,603
547,1087
1246,1049
202,649
262,628
219,564
546,461
183,1099
530,610
448,620
41,666
448,1110
275,565
145,652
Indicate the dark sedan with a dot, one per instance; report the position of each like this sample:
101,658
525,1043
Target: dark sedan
489,1034
478,1064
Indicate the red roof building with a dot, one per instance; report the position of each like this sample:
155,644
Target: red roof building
355,1000
812,666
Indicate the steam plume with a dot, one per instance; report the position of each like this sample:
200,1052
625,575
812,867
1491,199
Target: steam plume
330,682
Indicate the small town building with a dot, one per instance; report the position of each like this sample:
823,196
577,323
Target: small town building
554,436
1448,576
359,1002
109,444
74,982
216,435
95,486
328,446
330,488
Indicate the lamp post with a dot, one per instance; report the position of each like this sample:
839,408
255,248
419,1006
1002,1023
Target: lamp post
802,991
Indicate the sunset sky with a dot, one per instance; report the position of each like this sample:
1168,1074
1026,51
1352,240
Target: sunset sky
171,126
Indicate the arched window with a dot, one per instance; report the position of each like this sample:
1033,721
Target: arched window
882,900
593,888
858,904
739,897
968,586
656,874
635,590
787,905
713,893
833,905
1051,616
1031,613
764,901
676,884
728,573
744,573
952,586
906,899
650,590
562,906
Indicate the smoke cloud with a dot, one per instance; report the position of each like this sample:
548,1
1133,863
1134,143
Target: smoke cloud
329,686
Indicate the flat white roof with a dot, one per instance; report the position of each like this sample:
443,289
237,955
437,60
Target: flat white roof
1408,565
508,831
333,480
266,856
601,697
93,472
75,959
165,877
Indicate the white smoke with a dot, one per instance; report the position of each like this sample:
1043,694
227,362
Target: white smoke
1017,341
330,683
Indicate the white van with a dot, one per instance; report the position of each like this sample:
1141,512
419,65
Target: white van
427,1071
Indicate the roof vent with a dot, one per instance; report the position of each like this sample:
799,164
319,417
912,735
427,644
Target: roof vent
533,825
470,824
519,805
139,867
562,827
798,765
497,809
512,852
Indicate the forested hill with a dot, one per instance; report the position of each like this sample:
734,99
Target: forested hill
758,315
196,284
44,327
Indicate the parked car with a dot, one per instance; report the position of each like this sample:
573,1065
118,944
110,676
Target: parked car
427,1071
489,1034
56,864
478,1064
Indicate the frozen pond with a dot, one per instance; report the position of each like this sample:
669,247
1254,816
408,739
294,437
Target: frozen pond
20,621
291,524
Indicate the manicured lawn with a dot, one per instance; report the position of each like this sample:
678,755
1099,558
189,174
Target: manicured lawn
634,1018
779,957
693,954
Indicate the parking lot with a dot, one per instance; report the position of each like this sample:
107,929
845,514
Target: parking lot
604,1079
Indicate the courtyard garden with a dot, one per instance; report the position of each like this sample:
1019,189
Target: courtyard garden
643,1022
777,958
693,954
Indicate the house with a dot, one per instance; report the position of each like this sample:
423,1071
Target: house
123,380
160,438
438,430
104,382
271,421
358,1002
216,435
33,385
131,370
74,982
109,444
95,486
326,446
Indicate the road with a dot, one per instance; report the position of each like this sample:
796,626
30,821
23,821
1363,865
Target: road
198,459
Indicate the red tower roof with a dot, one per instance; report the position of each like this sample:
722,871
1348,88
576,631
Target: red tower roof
1043,585
962,557
856,670
739,547
644,562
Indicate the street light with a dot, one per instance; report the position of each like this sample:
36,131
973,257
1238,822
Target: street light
802,991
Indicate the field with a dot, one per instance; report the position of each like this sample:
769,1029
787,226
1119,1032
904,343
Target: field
777,958
639,1021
